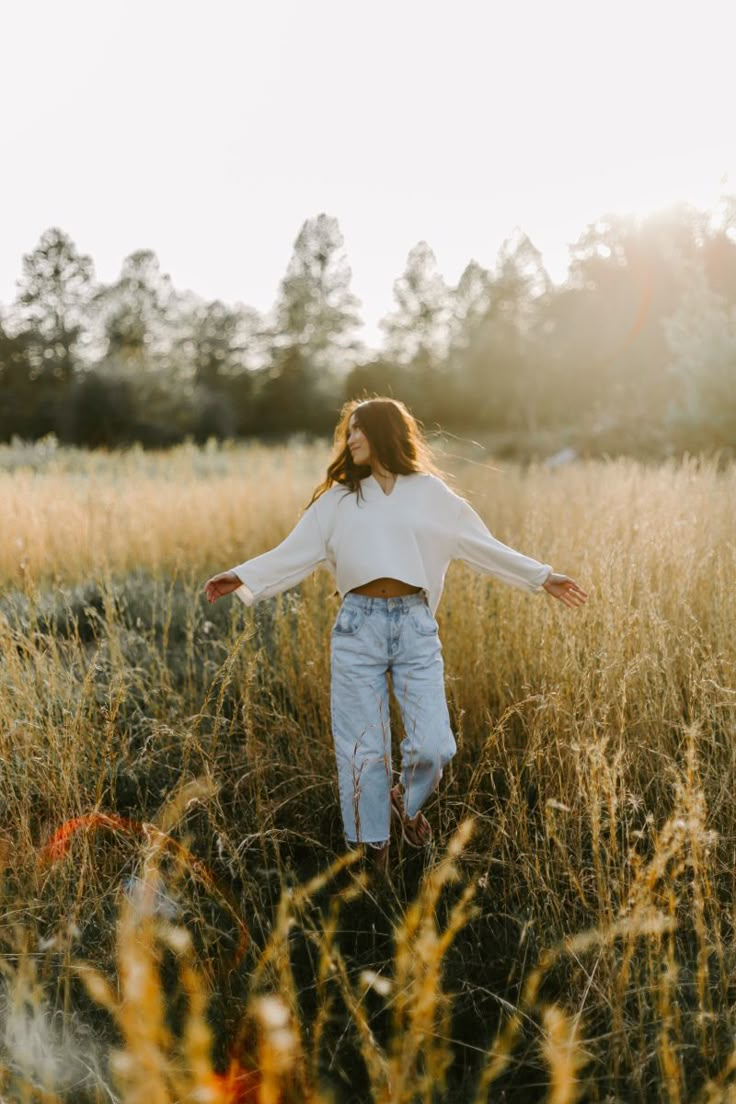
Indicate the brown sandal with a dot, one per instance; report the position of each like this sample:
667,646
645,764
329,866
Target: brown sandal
417,831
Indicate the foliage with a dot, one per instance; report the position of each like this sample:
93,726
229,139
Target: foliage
631,354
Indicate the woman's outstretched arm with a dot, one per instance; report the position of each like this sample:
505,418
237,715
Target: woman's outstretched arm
477,546
278,569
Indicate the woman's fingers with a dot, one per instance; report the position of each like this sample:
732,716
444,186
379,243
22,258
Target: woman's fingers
213,588
568,591
220,585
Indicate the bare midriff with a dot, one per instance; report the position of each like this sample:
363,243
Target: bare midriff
385,588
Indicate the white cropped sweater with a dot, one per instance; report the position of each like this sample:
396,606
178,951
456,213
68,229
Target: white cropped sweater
411,534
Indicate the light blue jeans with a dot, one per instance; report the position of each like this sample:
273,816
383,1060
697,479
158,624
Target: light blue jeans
370,637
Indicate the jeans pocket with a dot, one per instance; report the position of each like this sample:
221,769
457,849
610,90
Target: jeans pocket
423,620
348,621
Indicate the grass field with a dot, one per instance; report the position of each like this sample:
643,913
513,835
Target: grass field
174,899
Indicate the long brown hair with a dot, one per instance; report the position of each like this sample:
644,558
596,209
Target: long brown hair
395,437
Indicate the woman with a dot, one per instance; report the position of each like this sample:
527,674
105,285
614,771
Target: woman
387,526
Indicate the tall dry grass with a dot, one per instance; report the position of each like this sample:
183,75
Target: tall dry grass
585,951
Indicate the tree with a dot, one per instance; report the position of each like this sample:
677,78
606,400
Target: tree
219,341
224,347
137,312
629,272
46,334
287,400
52,305
376,376
417,332
315,312
19,409
311,334
701,339
141,316
98,412
519,284
497,352
471,301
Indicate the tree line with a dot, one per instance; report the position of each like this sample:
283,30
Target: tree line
635,350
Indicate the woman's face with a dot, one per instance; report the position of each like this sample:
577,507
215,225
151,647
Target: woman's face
358,443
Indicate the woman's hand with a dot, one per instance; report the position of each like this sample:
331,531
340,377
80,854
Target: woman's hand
565,588
220,585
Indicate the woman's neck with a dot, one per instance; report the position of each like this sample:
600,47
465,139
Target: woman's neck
382,473
385,478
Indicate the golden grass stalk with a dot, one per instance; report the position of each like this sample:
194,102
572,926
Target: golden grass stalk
595,749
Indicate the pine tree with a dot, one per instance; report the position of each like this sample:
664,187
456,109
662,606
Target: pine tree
501,360
312,343
417,332
316,313
470,306
224,348
52,306
141,316
138,312
220,341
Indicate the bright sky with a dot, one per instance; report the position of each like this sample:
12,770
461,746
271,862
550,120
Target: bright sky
209,132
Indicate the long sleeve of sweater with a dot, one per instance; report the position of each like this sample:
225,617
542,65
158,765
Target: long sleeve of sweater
477,547
285,565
